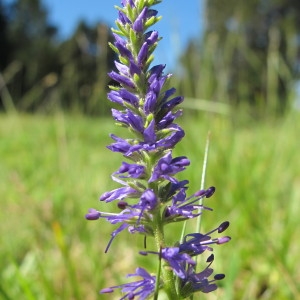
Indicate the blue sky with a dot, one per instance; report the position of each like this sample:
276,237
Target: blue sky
181,21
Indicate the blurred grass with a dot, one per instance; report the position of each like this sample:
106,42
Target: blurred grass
53,169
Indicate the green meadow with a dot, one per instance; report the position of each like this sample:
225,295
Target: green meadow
54,168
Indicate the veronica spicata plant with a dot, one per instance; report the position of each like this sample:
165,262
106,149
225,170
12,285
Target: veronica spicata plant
150,197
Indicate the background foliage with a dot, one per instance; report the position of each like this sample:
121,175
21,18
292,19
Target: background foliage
53,169
247,56
39,72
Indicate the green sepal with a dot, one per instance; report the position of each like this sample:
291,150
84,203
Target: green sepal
152,48
149,61
121,125
136,79
114,48
123,60
146,157
130,107
123,29
149,118
137,134
131,12
152,2
118,32
137,186
164,132
114,88
123,9
187,290
141,5
151,21
134,41
147,161
119,8
139,81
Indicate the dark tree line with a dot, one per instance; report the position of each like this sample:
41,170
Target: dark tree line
249,54
40,72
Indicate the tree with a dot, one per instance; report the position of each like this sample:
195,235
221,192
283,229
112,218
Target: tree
86,59
43,72
33,50
4,40
252,51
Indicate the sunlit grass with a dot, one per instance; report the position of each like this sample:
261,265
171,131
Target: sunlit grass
53,169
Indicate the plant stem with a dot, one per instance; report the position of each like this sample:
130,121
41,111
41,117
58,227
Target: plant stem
167,273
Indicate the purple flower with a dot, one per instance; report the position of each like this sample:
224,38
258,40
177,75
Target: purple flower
133,170
129,218
168,119
184,267
199,282
150,102
129,119
120,145
197,243
168,166
148,202
172,188
150,133
151,37
176,259
123,69
155,72
134,68
143,54
138,25
130,2
121,46
142,289
123,97
174,136
119,194
168,106
156,83
123,18
186,208
93,214
123,80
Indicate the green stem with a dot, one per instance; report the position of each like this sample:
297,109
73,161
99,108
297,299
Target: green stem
204,166
167,273
157,281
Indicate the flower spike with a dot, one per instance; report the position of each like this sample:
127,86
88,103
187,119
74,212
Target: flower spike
149,196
